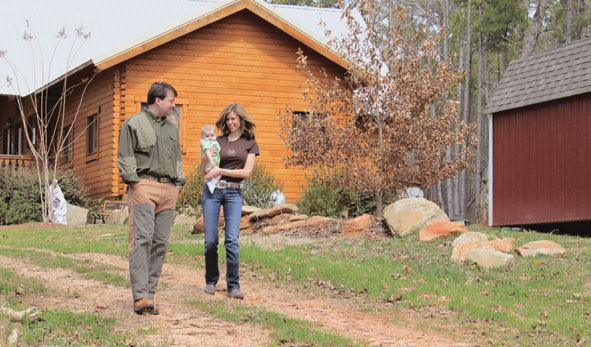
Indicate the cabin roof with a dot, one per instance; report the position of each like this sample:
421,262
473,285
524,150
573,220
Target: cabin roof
119,30
545,76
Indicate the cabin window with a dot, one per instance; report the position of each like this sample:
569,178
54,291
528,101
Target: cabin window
92,137
67,144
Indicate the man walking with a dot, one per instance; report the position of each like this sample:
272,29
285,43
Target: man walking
150,163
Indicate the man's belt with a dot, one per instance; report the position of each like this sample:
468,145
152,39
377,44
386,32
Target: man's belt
157,179
225,184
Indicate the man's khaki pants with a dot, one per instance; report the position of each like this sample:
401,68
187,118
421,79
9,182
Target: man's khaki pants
151,210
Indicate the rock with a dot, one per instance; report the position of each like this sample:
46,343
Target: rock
246,210
505,245
199,228
184,219
439,230
461,251
318,220
469,237
357,225
273,211
298,217
544,247
118,217
488,258
76,215
279,219
14,337
274,229
409,215
245,223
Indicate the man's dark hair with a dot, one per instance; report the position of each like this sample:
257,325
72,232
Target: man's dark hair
158,90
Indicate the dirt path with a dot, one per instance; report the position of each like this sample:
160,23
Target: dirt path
182,325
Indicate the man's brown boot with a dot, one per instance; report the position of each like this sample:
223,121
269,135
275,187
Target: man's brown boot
143,305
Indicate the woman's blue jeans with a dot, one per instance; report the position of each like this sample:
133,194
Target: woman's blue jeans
231,200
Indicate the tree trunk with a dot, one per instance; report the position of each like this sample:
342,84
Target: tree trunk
535,29
468,68
456,190
379,193
569,21
481,57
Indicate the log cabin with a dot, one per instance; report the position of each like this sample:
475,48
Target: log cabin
214,53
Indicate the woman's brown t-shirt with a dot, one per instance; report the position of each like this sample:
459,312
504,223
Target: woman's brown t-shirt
234,153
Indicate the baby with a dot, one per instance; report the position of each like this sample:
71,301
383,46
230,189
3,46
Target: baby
208,141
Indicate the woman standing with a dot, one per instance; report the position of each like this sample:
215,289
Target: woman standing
238,152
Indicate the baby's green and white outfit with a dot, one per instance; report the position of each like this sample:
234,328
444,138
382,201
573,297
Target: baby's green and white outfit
205,144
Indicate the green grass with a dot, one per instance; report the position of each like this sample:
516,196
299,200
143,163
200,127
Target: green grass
545,300
285,330
58,328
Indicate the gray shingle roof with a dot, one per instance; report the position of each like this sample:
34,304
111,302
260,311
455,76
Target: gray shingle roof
549,75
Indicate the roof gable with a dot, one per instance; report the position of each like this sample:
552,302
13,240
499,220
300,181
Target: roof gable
545,76
219,11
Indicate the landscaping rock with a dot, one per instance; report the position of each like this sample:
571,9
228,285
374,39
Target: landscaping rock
439,230
297,217
199,228
274,229
76,215
246,210
470,236
409,215
279,219
118,217
544,247
505,245
273,211
183,219
245,223
357,225
461,251
488,258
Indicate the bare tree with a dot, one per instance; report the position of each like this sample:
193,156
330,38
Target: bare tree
535,29
49,114
569,21
374,126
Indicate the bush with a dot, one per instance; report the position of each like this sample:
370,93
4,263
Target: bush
323,197
258,188
20,201
189,202
258,191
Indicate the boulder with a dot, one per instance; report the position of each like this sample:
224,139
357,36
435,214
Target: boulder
505,245
118,217
409,215
544,247
184,219
298,217
461,251
357,225
245,223
76,215
439,230
279,219
488,258
470,236
274,229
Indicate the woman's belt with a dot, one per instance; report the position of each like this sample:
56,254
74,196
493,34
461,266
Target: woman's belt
225,184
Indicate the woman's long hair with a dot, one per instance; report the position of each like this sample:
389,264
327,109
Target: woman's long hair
246,122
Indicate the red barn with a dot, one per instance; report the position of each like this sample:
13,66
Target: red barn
540,168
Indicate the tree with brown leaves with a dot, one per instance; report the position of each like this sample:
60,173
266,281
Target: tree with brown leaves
374,126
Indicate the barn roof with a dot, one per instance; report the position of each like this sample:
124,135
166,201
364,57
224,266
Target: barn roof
120,30
545,76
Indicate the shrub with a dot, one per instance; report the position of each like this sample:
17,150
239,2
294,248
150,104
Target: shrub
258,188
189,202
20,201
322,196
258,191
